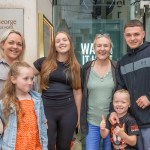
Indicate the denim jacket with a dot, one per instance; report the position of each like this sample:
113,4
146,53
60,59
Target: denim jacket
8,139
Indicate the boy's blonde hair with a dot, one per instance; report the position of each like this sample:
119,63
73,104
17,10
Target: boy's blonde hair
124,91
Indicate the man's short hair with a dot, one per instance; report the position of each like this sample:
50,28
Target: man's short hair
134,23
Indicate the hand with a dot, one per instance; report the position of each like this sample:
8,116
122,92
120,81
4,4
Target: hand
103,123
113,118
118,131
143,102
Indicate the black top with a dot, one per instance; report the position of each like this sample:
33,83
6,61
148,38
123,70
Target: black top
131,128
59,91
133,74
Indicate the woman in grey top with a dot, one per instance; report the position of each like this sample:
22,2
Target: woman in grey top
12,46
98,83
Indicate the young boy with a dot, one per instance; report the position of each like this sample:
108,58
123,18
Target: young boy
123,134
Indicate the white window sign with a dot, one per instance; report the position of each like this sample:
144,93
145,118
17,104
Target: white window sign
11,19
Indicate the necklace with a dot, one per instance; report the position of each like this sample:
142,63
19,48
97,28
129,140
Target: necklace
102,70
103,78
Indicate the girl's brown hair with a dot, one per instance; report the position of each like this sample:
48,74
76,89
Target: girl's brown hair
8,95
50,64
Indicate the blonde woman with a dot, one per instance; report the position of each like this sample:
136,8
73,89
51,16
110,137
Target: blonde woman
61,91
12,46
98,81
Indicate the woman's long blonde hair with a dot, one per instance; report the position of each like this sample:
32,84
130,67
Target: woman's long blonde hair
8,95
50,64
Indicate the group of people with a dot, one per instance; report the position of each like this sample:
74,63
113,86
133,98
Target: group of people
105,99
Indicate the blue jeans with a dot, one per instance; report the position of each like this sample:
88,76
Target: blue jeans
93,139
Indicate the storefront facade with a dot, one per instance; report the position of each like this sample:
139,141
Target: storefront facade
83,19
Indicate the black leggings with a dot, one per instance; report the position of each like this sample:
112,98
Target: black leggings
62,122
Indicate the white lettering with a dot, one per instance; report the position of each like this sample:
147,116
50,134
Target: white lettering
87,52
85,48
91,49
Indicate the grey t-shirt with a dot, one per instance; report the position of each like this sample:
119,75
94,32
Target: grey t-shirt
4,68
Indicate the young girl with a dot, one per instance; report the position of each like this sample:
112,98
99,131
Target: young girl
61,91
21,110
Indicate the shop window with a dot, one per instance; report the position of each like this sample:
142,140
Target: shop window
83,19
